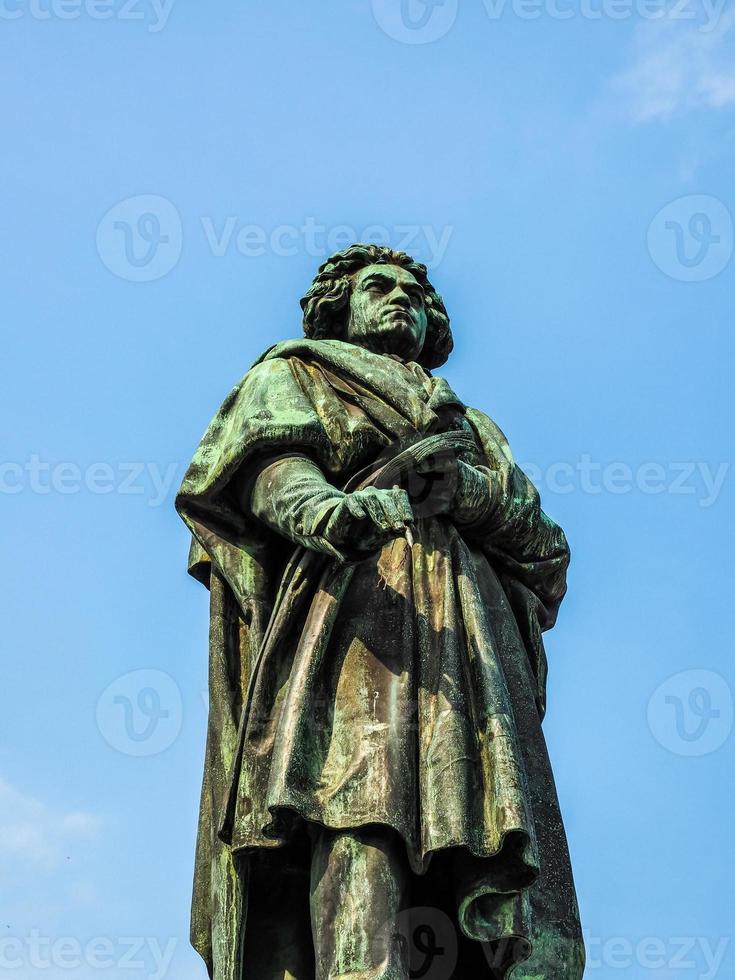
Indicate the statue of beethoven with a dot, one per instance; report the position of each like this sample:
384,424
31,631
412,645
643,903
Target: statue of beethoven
380,574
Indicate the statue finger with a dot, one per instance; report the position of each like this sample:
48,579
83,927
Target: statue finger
356,507
402,505
392,516
375,507
397,511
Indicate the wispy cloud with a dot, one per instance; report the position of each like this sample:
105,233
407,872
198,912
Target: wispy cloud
33,833
676,67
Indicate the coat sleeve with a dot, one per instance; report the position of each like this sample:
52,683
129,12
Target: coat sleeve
528,551
291,496
269,412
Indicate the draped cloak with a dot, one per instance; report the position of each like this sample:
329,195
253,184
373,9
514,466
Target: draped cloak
405,690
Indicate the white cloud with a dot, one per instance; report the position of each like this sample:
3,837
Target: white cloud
677,67
32,833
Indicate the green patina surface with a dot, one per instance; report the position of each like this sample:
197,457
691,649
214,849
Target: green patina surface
377,795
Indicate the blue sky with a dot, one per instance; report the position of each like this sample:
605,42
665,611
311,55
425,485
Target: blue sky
172,175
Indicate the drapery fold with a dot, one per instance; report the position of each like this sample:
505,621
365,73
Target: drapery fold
406,689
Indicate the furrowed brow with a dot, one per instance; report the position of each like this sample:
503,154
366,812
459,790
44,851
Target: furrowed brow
381,277
387,280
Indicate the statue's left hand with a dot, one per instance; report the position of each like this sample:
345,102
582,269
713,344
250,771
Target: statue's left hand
473,500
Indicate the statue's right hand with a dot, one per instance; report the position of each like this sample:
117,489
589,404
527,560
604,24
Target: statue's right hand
365,520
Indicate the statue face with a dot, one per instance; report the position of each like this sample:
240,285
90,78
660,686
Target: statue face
387,313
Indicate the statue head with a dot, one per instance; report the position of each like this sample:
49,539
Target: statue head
379,299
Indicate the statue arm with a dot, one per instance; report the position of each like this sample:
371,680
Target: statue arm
497,506
504,504
473,499
522,540
291,495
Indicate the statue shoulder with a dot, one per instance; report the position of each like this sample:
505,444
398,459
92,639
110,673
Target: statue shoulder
261,381
305,348
490,435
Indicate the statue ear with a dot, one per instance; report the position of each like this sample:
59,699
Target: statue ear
331,313
339,309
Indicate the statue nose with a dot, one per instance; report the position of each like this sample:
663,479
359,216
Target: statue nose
399,298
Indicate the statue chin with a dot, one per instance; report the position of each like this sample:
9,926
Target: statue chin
396,338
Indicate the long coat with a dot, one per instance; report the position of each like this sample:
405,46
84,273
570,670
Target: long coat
405,690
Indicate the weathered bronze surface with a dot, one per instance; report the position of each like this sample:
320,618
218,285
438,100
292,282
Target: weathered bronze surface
380,574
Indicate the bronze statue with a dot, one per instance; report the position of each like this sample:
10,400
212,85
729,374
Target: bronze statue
380,574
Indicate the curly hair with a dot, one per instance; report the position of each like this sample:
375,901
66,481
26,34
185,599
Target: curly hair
326,302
